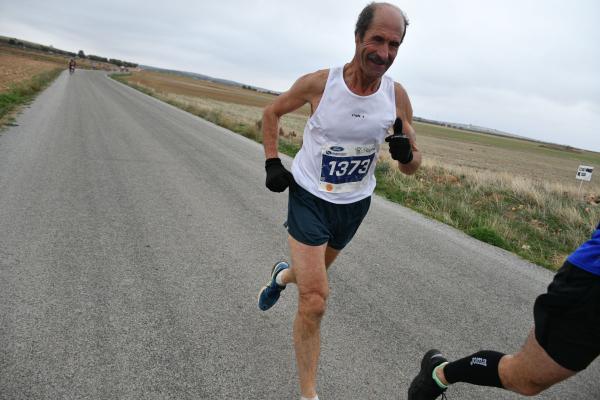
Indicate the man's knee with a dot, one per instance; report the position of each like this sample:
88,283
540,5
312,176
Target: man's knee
312,305
516,379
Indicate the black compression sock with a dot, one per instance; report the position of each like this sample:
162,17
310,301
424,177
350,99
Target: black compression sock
479,369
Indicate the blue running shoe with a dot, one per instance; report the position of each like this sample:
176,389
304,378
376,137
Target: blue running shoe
269,295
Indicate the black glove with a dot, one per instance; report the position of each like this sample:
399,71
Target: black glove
278,178
400,147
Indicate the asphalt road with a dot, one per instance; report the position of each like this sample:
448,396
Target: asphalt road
134,238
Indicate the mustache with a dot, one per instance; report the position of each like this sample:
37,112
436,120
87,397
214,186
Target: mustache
376,59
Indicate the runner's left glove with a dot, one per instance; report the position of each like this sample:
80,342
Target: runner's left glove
278,178
400,147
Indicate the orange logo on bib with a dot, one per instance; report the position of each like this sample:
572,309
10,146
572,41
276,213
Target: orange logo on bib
329,187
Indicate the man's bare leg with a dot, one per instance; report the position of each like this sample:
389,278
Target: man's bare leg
313,290
288,275
310,275
528,372
531,370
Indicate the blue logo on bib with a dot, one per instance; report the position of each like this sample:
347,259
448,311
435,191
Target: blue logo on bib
336,148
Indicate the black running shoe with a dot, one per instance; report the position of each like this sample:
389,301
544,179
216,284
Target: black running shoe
423,387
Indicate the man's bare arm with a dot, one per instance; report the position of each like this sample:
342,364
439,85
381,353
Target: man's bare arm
404,111
305,90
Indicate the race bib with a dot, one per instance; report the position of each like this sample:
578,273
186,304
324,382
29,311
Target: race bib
343,168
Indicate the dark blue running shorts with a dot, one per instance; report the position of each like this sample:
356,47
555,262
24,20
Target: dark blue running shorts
314,221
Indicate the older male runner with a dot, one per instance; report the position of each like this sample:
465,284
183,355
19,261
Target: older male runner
332,177
565,339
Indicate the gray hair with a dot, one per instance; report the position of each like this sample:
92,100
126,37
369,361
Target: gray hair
366,17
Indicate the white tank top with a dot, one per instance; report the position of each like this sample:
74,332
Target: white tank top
341,141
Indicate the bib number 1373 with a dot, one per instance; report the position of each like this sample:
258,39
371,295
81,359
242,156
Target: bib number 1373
344,171
349,168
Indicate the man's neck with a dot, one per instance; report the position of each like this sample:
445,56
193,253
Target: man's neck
357,82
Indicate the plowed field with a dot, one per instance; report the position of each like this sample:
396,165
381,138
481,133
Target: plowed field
15,69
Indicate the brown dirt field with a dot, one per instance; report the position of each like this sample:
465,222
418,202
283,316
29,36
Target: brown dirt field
17,64
33,54
537,167
15,69
170,83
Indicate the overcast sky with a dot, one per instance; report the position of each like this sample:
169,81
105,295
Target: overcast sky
522,66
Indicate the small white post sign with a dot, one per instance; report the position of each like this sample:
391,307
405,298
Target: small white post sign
584,173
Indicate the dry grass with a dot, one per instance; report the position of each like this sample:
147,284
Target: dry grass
292,124
539,221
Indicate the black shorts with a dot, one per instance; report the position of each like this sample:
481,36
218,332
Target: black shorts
314,221
567,318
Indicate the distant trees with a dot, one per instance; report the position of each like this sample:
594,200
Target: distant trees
97,58
121,63
115,61
15,42
80,53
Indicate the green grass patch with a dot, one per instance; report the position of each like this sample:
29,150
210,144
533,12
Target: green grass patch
24,92
487,235
540,226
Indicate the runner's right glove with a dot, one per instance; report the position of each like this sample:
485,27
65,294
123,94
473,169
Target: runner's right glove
400,147
278,178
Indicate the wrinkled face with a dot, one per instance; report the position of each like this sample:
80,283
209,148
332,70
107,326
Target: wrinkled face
378,48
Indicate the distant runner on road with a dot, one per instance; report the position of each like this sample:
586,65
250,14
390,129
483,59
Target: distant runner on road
332,178
564,340
72,65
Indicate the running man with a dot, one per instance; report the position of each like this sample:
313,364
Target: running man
72,65
564,341
332,177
